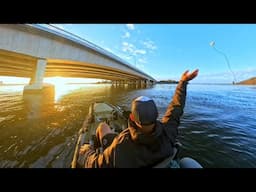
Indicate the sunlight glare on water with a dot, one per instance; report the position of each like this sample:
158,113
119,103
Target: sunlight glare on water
217,127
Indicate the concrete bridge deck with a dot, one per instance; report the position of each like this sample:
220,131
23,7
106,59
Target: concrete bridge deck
36,52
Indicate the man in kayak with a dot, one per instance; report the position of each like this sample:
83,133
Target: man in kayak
146,141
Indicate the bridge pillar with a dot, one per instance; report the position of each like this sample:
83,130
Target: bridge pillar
36,82
122,84
137,84
143,84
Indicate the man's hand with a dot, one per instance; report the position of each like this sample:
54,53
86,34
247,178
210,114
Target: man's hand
189,76
84,149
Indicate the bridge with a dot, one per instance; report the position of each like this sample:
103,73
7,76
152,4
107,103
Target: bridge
35,51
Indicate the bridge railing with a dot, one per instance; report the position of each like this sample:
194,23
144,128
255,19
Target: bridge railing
68,35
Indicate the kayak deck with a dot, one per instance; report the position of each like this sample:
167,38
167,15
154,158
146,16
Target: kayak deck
103,112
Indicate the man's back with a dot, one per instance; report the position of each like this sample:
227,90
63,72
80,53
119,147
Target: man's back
133,149
146,141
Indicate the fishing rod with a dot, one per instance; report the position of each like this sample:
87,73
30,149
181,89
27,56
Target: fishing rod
212,44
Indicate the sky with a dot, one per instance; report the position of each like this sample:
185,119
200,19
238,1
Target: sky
165,51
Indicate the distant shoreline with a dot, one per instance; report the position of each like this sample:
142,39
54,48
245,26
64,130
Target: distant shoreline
251,81
167,82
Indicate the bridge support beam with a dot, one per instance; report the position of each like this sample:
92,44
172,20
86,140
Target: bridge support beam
36,82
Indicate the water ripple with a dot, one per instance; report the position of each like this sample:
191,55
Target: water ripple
217,128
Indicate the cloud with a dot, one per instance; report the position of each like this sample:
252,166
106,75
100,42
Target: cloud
226,77
134,54
149,45
140,51
128,47
245,74
142,60
215,76
140,66
130,26
136,51
126,35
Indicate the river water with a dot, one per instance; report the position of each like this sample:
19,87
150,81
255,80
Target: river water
218,127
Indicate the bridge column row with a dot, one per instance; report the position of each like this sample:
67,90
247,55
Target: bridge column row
138,83
36,82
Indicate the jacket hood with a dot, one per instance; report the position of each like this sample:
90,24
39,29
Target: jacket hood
150,140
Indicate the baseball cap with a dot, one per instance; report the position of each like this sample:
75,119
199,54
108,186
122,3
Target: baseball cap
144,110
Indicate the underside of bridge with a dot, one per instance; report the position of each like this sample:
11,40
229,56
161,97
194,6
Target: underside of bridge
20,65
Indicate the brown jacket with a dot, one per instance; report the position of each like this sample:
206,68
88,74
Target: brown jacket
131,148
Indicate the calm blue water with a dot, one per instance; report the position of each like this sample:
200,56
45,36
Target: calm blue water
218,127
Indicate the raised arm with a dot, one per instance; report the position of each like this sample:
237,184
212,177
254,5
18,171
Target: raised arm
175,108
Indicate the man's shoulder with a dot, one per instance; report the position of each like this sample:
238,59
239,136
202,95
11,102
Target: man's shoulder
124,133
124,136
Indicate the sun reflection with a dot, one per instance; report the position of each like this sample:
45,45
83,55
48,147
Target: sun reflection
60,86
65,85
56,81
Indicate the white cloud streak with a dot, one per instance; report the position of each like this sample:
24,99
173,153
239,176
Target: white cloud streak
135,50
149,45
131,49
140,66
128,47
142,60
226,77
130,26
126,35
140,51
